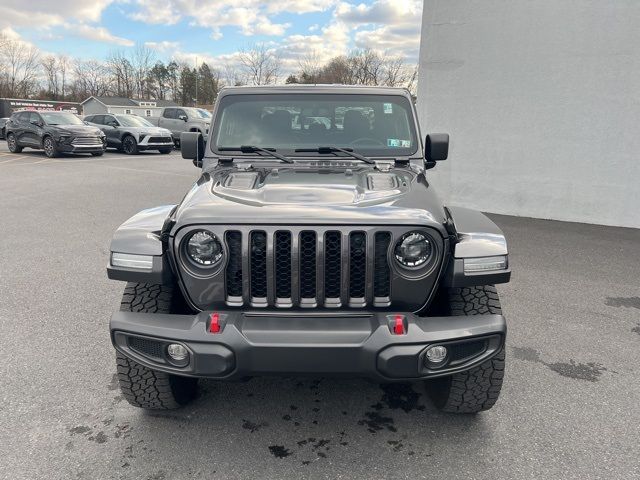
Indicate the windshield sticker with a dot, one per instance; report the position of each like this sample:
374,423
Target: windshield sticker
388,107
394,142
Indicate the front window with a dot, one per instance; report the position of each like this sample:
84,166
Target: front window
374,125
60,118
203,113
133,121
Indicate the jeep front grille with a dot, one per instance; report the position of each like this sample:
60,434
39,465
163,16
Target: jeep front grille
308,268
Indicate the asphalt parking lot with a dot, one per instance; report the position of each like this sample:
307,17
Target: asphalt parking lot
569,408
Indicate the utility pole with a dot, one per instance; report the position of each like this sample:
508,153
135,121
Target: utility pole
196,82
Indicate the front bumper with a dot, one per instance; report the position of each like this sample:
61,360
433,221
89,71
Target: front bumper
154,142
358,345
79,148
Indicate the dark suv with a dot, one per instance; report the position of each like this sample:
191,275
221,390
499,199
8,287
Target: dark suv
312,243
53,132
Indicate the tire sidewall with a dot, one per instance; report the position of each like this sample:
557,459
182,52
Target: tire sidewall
49,147
129,145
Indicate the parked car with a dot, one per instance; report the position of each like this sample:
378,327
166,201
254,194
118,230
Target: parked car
183,119
132,134
318,251
3,133
53,132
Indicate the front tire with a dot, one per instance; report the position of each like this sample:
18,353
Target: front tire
49,147
477,389
141,386
13,144
129,145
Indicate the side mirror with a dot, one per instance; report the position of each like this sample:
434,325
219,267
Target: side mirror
37,123
184,118
112,124
192,147
436,149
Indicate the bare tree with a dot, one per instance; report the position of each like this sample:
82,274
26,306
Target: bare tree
142,61
50,70
91,79
122,73
260,65
63,67
19,67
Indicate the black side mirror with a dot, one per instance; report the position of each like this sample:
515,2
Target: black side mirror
184,118
37,123
192,147
436,148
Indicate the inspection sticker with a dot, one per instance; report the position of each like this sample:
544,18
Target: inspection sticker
388,107
394,142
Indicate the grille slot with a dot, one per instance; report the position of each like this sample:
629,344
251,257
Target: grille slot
258,268
84,141
160,140
283,268
357,268
332,268
307,268
382,274
234,268
308,257
464,351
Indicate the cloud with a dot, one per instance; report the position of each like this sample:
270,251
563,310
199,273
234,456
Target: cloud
163,47
98,34
42,14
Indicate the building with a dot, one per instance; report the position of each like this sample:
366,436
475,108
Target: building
121,105
542,102
10,105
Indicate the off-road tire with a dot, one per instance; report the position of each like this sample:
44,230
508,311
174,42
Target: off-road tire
129,145
141,386
165,151
476,389
12,143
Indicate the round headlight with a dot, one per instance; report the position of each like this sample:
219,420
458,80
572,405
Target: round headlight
413,249
204,248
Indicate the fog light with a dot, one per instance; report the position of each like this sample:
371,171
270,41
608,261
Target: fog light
436,354
177,352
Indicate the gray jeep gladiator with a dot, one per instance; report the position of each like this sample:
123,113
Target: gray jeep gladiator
312,243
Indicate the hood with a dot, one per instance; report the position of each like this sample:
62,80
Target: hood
303,195
77,129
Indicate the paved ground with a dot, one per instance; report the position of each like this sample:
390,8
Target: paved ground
569,409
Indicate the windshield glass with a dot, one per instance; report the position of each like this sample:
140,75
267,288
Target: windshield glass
60,118
373,125
198,113
133,121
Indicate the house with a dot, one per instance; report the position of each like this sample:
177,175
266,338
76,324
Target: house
121,105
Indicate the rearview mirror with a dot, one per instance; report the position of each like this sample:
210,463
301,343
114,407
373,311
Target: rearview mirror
436,148
192,147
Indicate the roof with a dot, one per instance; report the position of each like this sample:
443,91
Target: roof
129,102
317,88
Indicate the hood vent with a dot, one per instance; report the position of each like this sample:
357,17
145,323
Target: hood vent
382,181
242,180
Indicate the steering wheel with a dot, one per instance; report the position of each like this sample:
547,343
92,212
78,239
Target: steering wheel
367,141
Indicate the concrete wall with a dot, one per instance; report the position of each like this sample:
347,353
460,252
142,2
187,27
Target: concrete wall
542,101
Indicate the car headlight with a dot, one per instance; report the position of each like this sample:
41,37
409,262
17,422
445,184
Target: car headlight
64,138
204,248
413,249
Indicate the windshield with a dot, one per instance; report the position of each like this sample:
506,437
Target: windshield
373,125
198,113
133,121
60,118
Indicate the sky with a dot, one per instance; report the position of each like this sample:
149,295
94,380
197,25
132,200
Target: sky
214,30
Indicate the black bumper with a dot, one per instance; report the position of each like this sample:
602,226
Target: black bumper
361,345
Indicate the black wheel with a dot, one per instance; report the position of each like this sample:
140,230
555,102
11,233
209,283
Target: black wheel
164,151
129,145
176,143
142,386
97,154
13,144
49,146
477,389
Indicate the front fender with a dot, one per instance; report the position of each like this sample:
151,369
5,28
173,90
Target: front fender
141,236
476,236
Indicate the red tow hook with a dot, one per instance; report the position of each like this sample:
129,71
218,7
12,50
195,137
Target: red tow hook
399,325
214,324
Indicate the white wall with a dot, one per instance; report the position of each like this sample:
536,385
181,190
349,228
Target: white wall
542,102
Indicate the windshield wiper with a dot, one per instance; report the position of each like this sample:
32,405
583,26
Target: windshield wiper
254,149
334,149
